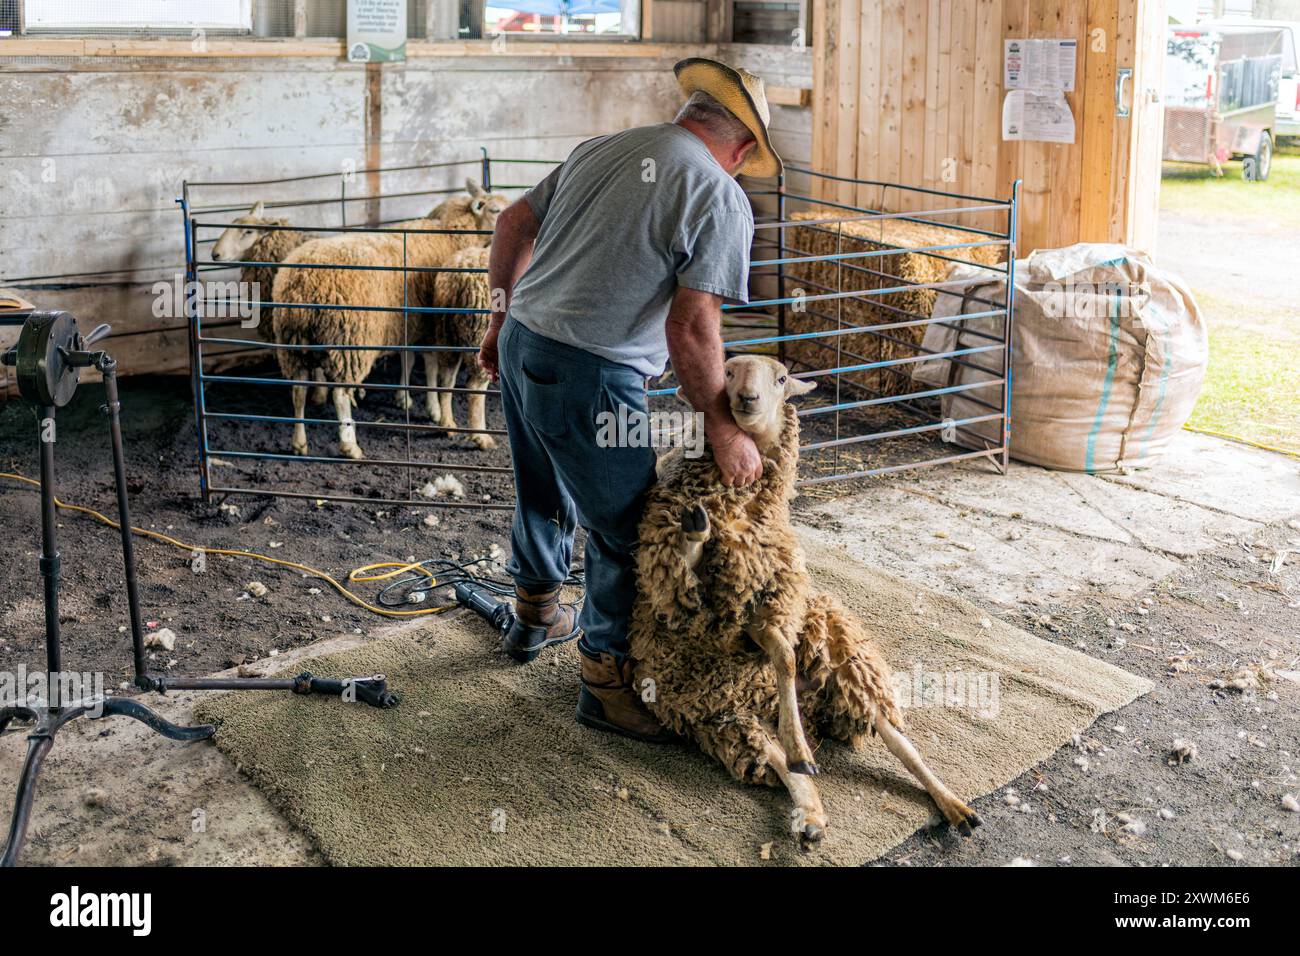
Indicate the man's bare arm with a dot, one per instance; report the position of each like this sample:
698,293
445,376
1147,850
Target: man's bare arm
512,250
695,348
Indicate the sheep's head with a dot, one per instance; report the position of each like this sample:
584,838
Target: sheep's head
757,390
234,243
484,206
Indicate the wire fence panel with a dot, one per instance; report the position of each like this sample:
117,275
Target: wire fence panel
843,293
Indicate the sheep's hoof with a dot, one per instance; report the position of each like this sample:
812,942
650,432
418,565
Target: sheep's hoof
483,442
353,451
962,817
811,833
300,449
806,767
435,414
403,401
695,523
968,825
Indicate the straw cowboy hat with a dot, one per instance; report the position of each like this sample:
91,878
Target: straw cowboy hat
742,93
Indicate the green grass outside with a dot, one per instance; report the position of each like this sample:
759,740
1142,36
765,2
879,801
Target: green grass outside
1252,385
1188,188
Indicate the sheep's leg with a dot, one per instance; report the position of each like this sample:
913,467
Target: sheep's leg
347,430
478,379
299,412
431,360
448,369
953,810
403,397
789,725
695,532
319,394
808,819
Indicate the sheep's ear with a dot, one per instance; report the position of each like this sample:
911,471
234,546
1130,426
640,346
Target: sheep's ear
473,188
798,386
257,209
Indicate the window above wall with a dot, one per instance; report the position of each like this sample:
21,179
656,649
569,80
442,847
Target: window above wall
560,18
88,16
776,22
322,19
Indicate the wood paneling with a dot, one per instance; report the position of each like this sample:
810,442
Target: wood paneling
910,92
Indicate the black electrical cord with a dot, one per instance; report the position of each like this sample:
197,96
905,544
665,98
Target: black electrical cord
447,574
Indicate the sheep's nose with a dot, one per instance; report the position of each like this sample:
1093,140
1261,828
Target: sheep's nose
747,399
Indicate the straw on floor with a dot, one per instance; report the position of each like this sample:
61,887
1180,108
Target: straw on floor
483,763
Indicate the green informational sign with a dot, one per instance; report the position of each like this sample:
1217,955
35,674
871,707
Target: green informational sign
376,31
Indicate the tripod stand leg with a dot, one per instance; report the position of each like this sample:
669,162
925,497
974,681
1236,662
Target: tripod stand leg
38,745
112,408
50,561
122,707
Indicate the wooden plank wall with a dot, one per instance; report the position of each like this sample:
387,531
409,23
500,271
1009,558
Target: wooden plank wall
910,92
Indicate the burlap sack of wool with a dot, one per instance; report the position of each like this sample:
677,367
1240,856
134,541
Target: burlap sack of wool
1109,353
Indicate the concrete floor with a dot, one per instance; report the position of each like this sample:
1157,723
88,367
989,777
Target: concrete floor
1039,536
1028,539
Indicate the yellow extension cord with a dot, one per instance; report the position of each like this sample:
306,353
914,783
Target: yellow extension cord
360,574
1244,441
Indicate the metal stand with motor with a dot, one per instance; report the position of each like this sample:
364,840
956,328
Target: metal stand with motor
48,359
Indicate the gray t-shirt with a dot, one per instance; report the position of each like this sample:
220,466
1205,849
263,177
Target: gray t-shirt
625,220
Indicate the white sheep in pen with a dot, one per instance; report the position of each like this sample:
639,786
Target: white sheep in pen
461,290
243,241
745,655
361,334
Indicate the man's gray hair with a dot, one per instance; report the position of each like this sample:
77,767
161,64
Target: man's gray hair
716,118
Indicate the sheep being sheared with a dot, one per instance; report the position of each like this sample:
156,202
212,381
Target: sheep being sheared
460,290
377,331
746,656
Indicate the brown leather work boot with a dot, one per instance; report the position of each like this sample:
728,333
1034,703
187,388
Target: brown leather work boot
608,701
540,621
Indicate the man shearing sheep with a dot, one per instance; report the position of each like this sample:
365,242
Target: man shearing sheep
617,261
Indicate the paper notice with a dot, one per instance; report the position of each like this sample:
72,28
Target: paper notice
1039,64
376,30
1044,117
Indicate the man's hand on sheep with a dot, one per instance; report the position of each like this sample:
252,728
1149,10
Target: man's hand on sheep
695,347
734,451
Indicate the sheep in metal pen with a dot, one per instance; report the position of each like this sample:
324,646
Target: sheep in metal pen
244,241
460,290
362,334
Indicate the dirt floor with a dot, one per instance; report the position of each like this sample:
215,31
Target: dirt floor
1184,615
1220,616
219,620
